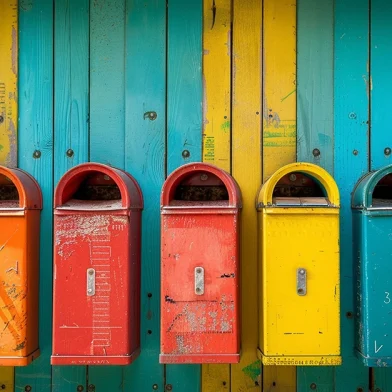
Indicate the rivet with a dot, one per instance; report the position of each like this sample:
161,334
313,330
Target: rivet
355,152
313,386
155,387
204,177
1,119
70,153
36,154
316,152
387,151
169,387
79,388
293,177
28,388
151,115
186,154
301,271
352,116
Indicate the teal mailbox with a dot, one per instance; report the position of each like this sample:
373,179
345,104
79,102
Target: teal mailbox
372,229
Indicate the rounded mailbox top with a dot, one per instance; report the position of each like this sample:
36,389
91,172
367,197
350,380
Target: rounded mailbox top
208,183
27,193
364,195
265,197
129,190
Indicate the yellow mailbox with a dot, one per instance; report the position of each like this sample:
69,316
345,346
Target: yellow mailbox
298,236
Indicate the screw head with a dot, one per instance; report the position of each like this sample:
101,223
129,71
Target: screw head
293,177
301,271
349,315
387,151
70,153
169,387
198,270
28,388
316,152
1,119
185,154
91,272
355,152
204,177
36,154
313,386
91,388
79,388
155,387
352,116
3,386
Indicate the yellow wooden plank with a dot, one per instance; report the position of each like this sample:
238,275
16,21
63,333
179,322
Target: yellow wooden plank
216,124
279,85
216,86
8,112
246,164
279,123
8,79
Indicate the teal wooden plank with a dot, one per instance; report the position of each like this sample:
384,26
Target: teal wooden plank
71,104
35,90
184,121
145,85
315,122
107,120
315,82
351,154
381,140
184,91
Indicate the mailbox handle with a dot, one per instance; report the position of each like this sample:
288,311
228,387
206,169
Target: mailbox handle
301,281
90,282
199,280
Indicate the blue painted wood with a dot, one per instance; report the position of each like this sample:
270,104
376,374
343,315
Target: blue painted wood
184,122
71,85
107,120
315,121
350,162
145,85
315,82
184,91
35,90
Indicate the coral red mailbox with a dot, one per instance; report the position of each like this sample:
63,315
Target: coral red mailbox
20,205
200,228
96,311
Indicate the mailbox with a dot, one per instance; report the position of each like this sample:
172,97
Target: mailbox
372,233
298,237
200,228
96,304
20,205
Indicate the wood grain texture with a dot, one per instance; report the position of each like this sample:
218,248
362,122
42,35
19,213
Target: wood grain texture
246,169
8,83
217,16
35,91
145,84
71,127
279,85
279,121
315,121
107,120
184,122
351,155
380,135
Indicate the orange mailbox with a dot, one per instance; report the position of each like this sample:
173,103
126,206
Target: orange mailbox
20,205
200,228
96,304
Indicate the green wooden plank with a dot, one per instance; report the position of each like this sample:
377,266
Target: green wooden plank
184,133
71,85
380,69
315,122
36,135
107,119
351,155
145,85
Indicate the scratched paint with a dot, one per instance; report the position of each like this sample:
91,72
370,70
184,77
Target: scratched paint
8,82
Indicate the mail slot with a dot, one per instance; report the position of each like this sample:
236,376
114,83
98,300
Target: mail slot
372,233
200,266
20,205
96,311
298,237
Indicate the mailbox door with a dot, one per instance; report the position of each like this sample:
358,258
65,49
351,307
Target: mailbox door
376,288
293,324
92,325
205,323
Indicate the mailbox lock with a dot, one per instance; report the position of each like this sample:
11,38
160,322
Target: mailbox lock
301,281
199,280
90,282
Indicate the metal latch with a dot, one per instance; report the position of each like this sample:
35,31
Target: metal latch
199,280
301,281
90,282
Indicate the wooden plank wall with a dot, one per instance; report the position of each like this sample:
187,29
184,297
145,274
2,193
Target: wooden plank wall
148,85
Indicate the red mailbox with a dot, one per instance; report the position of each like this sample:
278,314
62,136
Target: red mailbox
200,229
96,306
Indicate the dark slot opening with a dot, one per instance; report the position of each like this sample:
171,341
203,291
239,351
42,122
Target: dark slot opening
382,194
97,186
201,186
8,192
